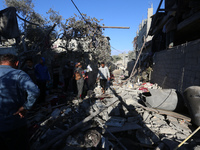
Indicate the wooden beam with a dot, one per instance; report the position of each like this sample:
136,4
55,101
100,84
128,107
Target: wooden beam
159,6
113,27
189,20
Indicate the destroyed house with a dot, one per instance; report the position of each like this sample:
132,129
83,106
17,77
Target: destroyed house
175,44
175,24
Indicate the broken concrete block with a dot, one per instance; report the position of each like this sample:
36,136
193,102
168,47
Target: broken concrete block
131,101
180,136
146,116
197,147
125,127
161,117
116,121
127,96
167,130
104,116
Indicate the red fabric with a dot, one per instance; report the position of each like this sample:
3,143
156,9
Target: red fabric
143,89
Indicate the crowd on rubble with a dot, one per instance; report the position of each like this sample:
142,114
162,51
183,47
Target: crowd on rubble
21,89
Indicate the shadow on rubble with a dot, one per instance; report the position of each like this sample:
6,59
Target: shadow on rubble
132,130
96,123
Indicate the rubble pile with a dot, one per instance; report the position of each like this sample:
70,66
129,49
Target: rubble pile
115,120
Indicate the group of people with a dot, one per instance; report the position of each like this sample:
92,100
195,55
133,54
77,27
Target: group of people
39,74
19,90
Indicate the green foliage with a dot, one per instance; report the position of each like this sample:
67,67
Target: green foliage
131,55
86,31
116,58
23,6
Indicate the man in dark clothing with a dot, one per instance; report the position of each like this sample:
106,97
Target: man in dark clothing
30,70
79,76
55,71
17,95
67,74
43,76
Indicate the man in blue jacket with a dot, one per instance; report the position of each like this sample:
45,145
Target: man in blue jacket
43,76
17,95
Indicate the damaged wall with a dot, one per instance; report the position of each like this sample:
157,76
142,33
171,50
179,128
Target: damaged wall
178,67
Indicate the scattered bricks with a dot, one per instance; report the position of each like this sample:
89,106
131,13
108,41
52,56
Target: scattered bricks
158,123
131,101
109,110
104,116
146,116
127,96
161,117
181,136
167,130
173,121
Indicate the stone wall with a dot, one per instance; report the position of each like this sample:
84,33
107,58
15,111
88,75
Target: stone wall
178,67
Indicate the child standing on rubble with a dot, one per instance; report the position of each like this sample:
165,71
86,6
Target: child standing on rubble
104,76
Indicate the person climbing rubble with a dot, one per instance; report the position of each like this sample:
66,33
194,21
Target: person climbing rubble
18,93
104,76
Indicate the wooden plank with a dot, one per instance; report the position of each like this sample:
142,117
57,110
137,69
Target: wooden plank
173,114
114,27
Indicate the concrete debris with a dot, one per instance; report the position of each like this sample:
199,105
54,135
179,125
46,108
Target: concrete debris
117,119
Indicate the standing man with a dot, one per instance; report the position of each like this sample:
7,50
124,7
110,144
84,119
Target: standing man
79,77
17,95
30,70
104,76
55,71
67,74
43,76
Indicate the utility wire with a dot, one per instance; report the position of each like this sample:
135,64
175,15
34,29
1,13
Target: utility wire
116,49
78,11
